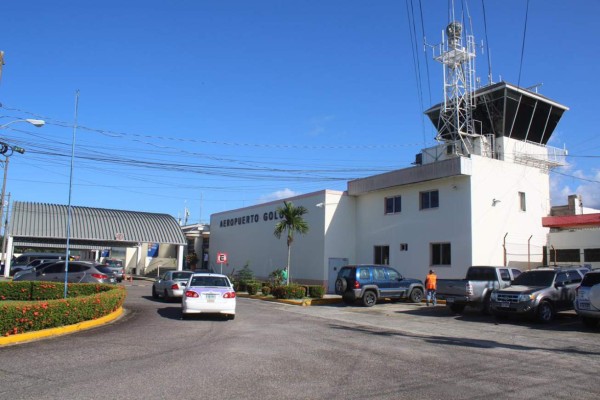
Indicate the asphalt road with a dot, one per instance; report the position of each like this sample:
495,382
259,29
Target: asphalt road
277,351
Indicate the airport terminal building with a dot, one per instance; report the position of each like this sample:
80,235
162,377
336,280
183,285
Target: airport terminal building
476,200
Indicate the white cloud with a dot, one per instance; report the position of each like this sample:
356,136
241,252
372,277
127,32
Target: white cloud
584,184
318,125
278,195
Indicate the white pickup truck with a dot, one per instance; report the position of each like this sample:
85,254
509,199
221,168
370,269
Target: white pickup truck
476,288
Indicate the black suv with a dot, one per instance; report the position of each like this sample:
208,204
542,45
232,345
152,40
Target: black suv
369,283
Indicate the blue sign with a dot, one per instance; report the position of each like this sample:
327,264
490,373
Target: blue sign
105,253
152,249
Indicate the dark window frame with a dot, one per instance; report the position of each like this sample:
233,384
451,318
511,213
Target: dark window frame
440,254
393,205
381,255
429,199
591,255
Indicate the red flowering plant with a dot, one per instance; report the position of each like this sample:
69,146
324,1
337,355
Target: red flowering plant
45,308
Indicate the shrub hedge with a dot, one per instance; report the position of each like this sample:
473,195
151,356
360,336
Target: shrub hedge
31,306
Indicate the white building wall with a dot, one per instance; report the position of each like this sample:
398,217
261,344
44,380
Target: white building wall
246,235
497,213
576,239
449,223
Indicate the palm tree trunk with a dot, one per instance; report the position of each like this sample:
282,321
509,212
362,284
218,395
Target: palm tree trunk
288,264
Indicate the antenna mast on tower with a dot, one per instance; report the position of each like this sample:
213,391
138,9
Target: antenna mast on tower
456,114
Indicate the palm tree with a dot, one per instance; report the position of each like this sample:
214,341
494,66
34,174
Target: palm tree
291,222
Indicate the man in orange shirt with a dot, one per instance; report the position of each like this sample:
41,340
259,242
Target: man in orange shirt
431,287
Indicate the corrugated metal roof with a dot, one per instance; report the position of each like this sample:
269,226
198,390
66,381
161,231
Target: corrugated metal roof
36,222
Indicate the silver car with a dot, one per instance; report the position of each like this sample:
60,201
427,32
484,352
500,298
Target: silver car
79,272
171,285
587,301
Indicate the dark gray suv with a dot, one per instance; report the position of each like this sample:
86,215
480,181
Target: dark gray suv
369,283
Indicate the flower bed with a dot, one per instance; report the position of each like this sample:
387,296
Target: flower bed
31,306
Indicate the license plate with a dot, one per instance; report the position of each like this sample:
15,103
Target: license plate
584,305
210,298
505,305
449,299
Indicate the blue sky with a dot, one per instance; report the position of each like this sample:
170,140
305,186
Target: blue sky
216,105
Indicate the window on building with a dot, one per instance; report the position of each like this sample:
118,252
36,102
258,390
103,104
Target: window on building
441,254
393,205
382,255
430,199
591,255
564,255
403,246
522,201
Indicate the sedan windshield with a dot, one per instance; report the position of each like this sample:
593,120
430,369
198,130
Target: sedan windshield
210,281
535,278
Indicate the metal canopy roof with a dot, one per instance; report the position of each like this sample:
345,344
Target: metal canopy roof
45,225
503,109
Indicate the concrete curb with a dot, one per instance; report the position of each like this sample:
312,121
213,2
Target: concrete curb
63,330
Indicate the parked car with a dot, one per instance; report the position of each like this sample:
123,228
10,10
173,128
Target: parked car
79,272
117,267
25,259
31,265
369,283
476,288
587,299
171,284
539,293
209,294
32,268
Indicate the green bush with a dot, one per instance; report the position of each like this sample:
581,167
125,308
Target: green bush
291,291
266,290
39,305
316,292
242,278
252,287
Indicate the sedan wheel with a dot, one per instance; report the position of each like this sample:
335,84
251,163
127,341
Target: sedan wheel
154,294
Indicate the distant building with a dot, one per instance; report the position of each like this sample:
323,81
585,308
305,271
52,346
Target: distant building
574,236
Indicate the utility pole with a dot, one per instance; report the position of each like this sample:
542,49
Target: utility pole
3,254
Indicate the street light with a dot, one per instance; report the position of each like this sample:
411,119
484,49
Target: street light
8,150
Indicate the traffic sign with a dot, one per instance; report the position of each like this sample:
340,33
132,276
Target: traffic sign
221,258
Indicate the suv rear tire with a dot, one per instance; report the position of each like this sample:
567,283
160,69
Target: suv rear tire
341,285
369,298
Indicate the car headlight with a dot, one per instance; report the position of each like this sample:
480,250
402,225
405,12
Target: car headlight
526,297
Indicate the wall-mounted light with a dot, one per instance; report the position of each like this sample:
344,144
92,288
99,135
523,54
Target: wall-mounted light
494,202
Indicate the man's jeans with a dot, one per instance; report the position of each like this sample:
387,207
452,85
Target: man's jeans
431,297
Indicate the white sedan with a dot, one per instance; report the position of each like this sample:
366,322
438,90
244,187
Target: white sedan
208,294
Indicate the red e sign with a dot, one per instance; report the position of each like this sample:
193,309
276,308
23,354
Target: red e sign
221,258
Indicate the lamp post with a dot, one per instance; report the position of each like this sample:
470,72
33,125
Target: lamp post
8,150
